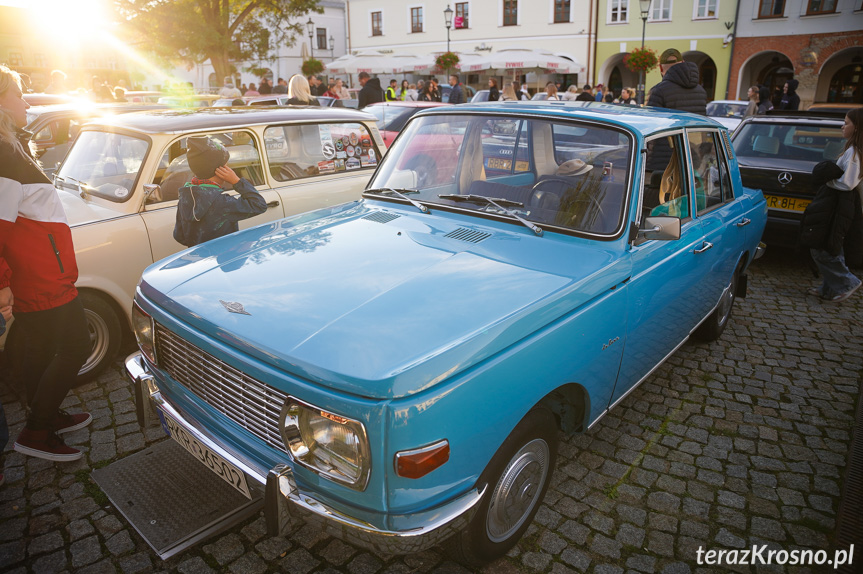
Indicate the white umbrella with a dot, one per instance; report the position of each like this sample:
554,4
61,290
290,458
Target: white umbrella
375,62
521,59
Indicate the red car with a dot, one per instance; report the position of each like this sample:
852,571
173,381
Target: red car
392,116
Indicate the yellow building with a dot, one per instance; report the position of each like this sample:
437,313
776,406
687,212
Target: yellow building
700,29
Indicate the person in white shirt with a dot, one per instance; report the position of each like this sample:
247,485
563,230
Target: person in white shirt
838,282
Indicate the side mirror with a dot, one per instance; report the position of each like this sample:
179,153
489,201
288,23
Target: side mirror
152,193
660,227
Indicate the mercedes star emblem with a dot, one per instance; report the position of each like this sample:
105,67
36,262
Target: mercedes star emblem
784,178
234,307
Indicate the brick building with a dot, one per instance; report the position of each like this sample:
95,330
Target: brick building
817,42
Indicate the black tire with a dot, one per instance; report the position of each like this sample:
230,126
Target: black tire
713,327
526,459
105,335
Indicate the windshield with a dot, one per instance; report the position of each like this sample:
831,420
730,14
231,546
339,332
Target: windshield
390,118
106,164
550,172
759,143
726,110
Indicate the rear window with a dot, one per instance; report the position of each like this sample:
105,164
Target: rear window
307,150
806,143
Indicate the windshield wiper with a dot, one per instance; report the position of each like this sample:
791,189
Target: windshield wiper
75,184
399,193
498,202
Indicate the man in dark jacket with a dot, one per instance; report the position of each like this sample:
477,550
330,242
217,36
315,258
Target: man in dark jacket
204,212
679,88
371,92
790,100
456,95
585,95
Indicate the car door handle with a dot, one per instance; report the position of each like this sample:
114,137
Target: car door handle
707,245
743,222
273,204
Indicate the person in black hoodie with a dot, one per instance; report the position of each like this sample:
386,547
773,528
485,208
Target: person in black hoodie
204,211
679,88
371,92
790,100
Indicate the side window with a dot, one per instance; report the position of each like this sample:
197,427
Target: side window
705,170
308,150
173,171
665,189
724,174
499,140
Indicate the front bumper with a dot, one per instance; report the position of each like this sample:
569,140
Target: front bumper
283,501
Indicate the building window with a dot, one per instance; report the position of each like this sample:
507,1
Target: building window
416,20
40,61
705,9
771,9
16,59
321,37
660,10
377,24
821,7
510,12
561,11
461,15
619,11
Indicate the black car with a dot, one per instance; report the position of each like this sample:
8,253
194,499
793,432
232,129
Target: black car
776,154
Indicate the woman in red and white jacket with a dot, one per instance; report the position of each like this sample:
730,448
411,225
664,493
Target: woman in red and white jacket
37,277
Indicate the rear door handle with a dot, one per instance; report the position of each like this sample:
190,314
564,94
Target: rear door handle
743,222
273,204
707,245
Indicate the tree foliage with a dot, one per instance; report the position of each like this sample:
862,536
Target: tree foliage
223,31
312,67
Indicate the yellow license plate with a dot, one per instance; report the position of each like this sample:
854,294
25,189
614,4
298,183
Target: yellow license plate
498,163
786,203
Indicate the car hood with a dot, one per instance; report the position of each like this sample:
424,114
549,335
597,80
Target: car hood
380,302
81,212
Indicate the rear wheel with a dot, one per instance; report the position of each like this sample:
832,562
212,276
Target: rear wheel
516,480
103,327
713,327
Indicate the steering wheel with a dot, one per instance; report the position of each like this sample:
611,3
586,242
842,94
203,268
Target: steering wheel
568,184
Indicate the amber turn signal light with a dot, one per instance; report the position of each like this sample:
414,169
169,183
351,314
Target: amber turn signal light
419,462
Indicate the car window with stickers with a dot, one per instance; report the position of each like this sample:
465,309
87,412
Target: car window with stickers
308,150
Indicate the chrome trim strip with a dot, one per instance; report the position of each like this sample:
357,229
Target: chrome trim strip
428,448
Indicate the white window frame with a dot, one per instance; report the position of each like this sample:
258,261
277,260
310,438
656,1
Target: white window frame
517,13
611,10
551,12
695,5
371,25
661,4
410,20
469,15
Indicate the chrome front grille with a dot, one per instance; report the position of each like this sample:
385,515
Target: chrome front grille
246,401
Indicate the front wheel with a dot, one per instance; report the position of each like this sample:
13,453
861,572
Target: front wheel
103,327
713,327
516,480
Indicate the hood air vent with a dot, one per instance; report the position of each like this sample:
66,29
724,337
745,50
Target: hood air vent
468,235
381,217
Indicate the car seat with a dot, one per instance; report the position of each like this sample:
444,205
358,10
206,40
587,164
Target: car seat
767,145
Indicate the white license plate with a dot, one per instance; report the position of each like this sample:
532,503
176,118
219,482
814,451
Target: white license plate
227,471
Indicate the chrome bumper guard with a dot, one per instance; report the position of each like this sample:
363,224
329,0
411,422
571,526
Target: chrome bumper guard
283,501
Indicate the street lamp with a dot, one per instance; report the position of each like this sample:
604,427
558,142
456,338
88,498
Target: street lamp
447,17
645,11
310,26
332,46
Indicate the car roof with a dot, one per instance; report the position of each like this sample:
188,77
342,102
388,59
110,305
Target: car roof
406,104
205,118
645,120
744,102
802,118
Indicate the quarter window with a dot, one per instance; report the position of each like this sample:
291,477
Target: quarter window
705,8
416,20
308,150
510,12
771,9
710,179
377,24
660,10
561,11
821,7
173,171
619,11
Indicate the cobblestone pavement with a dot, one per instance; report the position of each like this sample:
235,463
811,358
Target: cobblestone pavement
730,444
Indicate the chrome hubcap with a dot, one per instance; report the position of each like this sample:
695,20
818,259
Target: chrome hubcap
98,331
517,491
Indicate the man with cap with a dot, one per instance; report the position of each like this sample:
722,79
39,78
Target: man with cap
585,95
679,88
204,212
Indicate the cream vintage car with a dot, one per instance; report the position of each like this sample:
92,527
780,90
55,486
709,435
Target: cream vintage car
120,179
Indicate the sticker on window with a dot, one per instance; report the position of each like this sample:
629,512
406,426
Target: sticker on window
366,142
352,163
340,164
355,139
350,151
328,149
326,167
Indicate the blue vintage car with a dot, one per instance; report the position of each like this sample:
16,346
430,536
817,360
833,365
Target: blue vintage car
397,369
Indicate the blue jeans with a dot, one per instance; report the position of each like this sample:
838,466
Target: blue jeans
837,279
